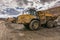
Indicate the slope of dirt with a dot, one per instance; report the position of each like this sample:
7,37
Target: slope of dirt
55,10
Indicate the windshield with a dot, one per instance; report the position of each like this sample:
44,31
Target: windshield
31,11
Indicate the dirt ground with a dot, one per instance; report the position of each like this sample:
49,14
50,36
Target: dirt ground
8,32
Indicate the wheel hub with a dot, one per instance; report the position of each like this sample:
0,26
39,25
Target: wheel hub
36,25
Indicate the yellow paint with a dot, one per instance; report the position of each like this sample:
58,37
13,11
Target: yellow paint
26,18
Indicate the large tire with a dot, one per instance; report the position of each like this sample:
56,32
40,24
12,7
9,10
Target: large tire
34,24
55,24
50,24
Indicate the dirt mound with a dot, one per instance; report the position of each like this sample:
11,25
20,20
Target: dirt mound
8,31
3,30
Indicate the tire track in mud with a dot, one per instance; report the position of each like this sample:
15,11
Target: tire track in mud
48,32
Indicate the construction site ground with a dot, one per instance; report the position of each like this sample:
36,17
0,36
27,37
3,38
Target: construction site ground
13,31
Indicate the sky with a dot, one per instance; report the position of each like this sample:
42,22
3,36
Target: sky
29,3
38,4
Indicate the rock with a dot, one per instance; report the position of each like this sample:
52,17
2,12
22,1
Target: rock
21,34
15,26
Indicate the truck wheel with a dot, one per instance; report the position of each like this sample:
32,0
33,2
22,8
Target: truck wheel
34,24
55,24
50,24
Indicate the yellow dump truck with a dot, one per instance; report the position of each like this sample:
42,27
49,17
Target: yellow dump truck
34,19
